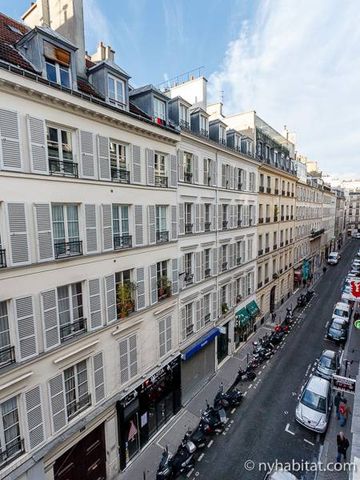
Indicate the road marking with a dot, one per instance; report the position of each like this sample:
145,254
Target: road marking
210,443
263,367
232,411
190,473
287,429
245,393
250,386
308,441
201,457
259,373
286,412
307,370
293,394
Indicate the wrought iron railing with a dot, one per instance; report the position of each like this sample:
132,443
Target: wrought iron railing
207,272
68,249
75,408
188,278
162,237
161,181
66,168
188,228
207,226
12,451
188,177
7,356
120,175
2,258
122,241
70,330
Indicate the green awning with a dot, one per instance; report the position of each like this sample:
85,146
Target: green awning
242,317
253,308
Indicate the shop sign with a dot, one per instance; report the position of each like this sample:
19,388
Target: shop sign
343,384
355,289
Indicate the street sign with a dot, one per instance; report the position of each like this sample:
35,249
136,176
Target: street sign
357,324
355,289
343,384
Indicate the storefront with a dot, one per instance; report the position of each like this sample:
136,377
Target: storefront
198,364
147,408
223,343
244,322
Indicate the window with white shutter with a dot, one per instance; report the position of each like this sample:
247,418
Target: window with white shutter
107,233
139,226
128,359
66,232
104,157
175,276
99,381
136,164
87,155
44,232
57,402
60,152
7,350
140,288
11,443
150,167
119,153
19,243
174,225
95,304
173,171
121,227
110,298
165,336
10,158
38,146
25,324
76,386
34,413
91,228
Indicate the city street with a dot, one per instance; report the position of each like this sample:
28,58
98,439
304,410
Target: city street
264,429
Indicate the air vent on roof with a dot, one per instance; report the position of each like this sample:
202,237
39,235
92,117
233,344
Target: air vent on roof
14,29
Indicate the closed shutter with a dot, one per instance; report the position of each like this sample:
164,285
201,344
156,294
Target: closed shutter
198,267
173,171
18,233
99,382
183,323
10,140
151,224
25,323
220,260
104,158
244,181
153,284
202,217
196,169
110,297
95,307
44,232
87,154
214,173
107,228
34,417
174,225
181,219
219,218
168,333
214,305
231,173
140,288
180,162
197,217
50,318
205,171
236,178
136,164
162,337
91,229
233,216
214,261
230,295
231,256
234,291
150,167
124,361
214,218
198,314
38,146
57,401
175,276
139,227
223,175
133,356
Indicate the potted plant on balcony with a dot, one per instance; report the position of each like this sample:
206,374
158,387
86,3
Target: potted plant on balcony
224,308
125,300
164,286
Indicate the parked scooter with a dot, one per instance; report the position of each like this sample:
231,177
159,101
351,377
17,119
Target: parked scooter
301,300
246,374
197,437
229,399
215,417
172,466
309,294
289,316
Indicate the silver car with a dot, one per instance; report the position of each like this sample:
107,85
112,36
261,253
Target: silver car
328,364
314,407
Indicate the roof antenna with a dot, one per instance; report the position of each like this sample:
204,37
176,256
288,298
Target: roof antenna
222,96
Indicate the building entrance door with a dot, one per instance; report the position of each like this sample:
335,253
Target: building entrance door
272,299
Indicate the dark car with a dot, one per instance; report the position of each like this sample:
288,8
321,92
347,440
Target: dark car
328,364
338,330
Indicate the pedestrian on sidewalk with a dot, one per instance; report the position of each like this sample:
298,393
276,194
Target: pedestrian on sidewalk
344,412
324,269
337,401
342,446
273,317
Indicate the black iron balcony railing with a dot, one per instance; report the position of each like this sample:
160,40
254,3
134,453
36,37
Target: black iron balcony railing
259,284
238,261
207,272
282,218
281,244
276,191
260,252
292,194
188,278
7,356
203,132
239,186
122,241
12,451
275,276
250,221
2,258
239,222
267,249
261,189
207,318
268,190
73,329
207,226
162,237
267,219
224,266
161,181
164,290
184,124
317,233
189,330
283,192
275,218
120,175
275,246
281,270
68,249
66,168
261,220
188,177
188,228
266,280
288,194
75,408
287,217
222,141
286,242
224,224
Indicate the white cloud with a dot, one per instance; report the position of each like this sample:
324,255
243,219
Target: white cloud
298,64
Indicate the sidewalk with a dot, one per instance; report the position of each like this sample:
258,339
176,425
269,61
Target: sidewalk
145,464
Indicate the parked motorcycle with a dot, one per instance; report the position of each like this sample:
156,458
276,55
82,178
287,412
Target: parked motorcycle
231,398
215,417
309,294
172,466
197,437
289,315
246,374
301,300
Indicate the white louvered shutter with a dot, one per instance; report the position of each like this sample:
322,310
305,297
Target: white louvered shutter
150,167
214,173
214,269
197,217
104,157
136,164
181,219
133,355
25,323
107,228
34,415
139,227
50,319
223,175
151,224
220,260
57,402
175,276
214,217
198,267
174,225
196,169
110,298
153,284
180,162
162,337
231,173
198,314
99,381
202,217
173,171
38,146
220,217
18,233
95,307
87,154
91,229
124,361
183,323
231,257
45,243
214,305
140,288
10,140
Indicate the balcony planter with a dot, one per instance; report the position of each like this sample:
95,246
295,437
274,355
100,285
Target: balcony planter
224,308
125,301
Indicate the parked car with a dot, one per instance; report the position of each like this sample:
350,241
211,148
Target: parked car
341,310
356,235
279,474
338,330
314,407
333,258
328,364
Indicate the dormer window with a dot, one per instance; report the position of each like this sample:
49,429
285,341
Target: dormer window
222,135
159,109
184,116
116,91
203,126
57,64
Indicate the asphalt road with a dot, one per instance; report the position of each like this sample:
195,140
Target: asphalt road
263,429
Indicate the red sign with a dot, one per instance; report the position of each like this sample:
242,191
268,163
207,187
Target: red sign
355,289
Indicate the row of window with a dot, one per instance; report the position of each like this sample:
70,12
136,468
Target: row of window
269,184
285,238
305,194
272,270
286,212
305,230
304,212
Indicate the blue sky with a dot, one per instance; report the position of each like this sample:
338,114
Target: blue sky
296,63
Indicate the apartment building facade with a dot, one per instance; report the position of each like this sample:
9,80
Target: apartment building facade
329,243
353,212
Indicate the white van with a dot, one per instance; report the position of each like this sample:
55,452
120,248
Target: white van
333,258
341,310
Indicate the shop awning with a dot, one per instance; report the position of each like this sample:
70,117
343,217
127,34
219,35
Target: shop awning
253,308
297,274
200,343
242,317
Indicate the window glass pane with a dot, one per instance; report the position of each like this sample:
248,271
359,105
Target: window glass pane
64,76
125,220
4,327
116,220
58,223
120,91
77,301
72,223
10,420
66,145
64,305
52,142
111,86
50,72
